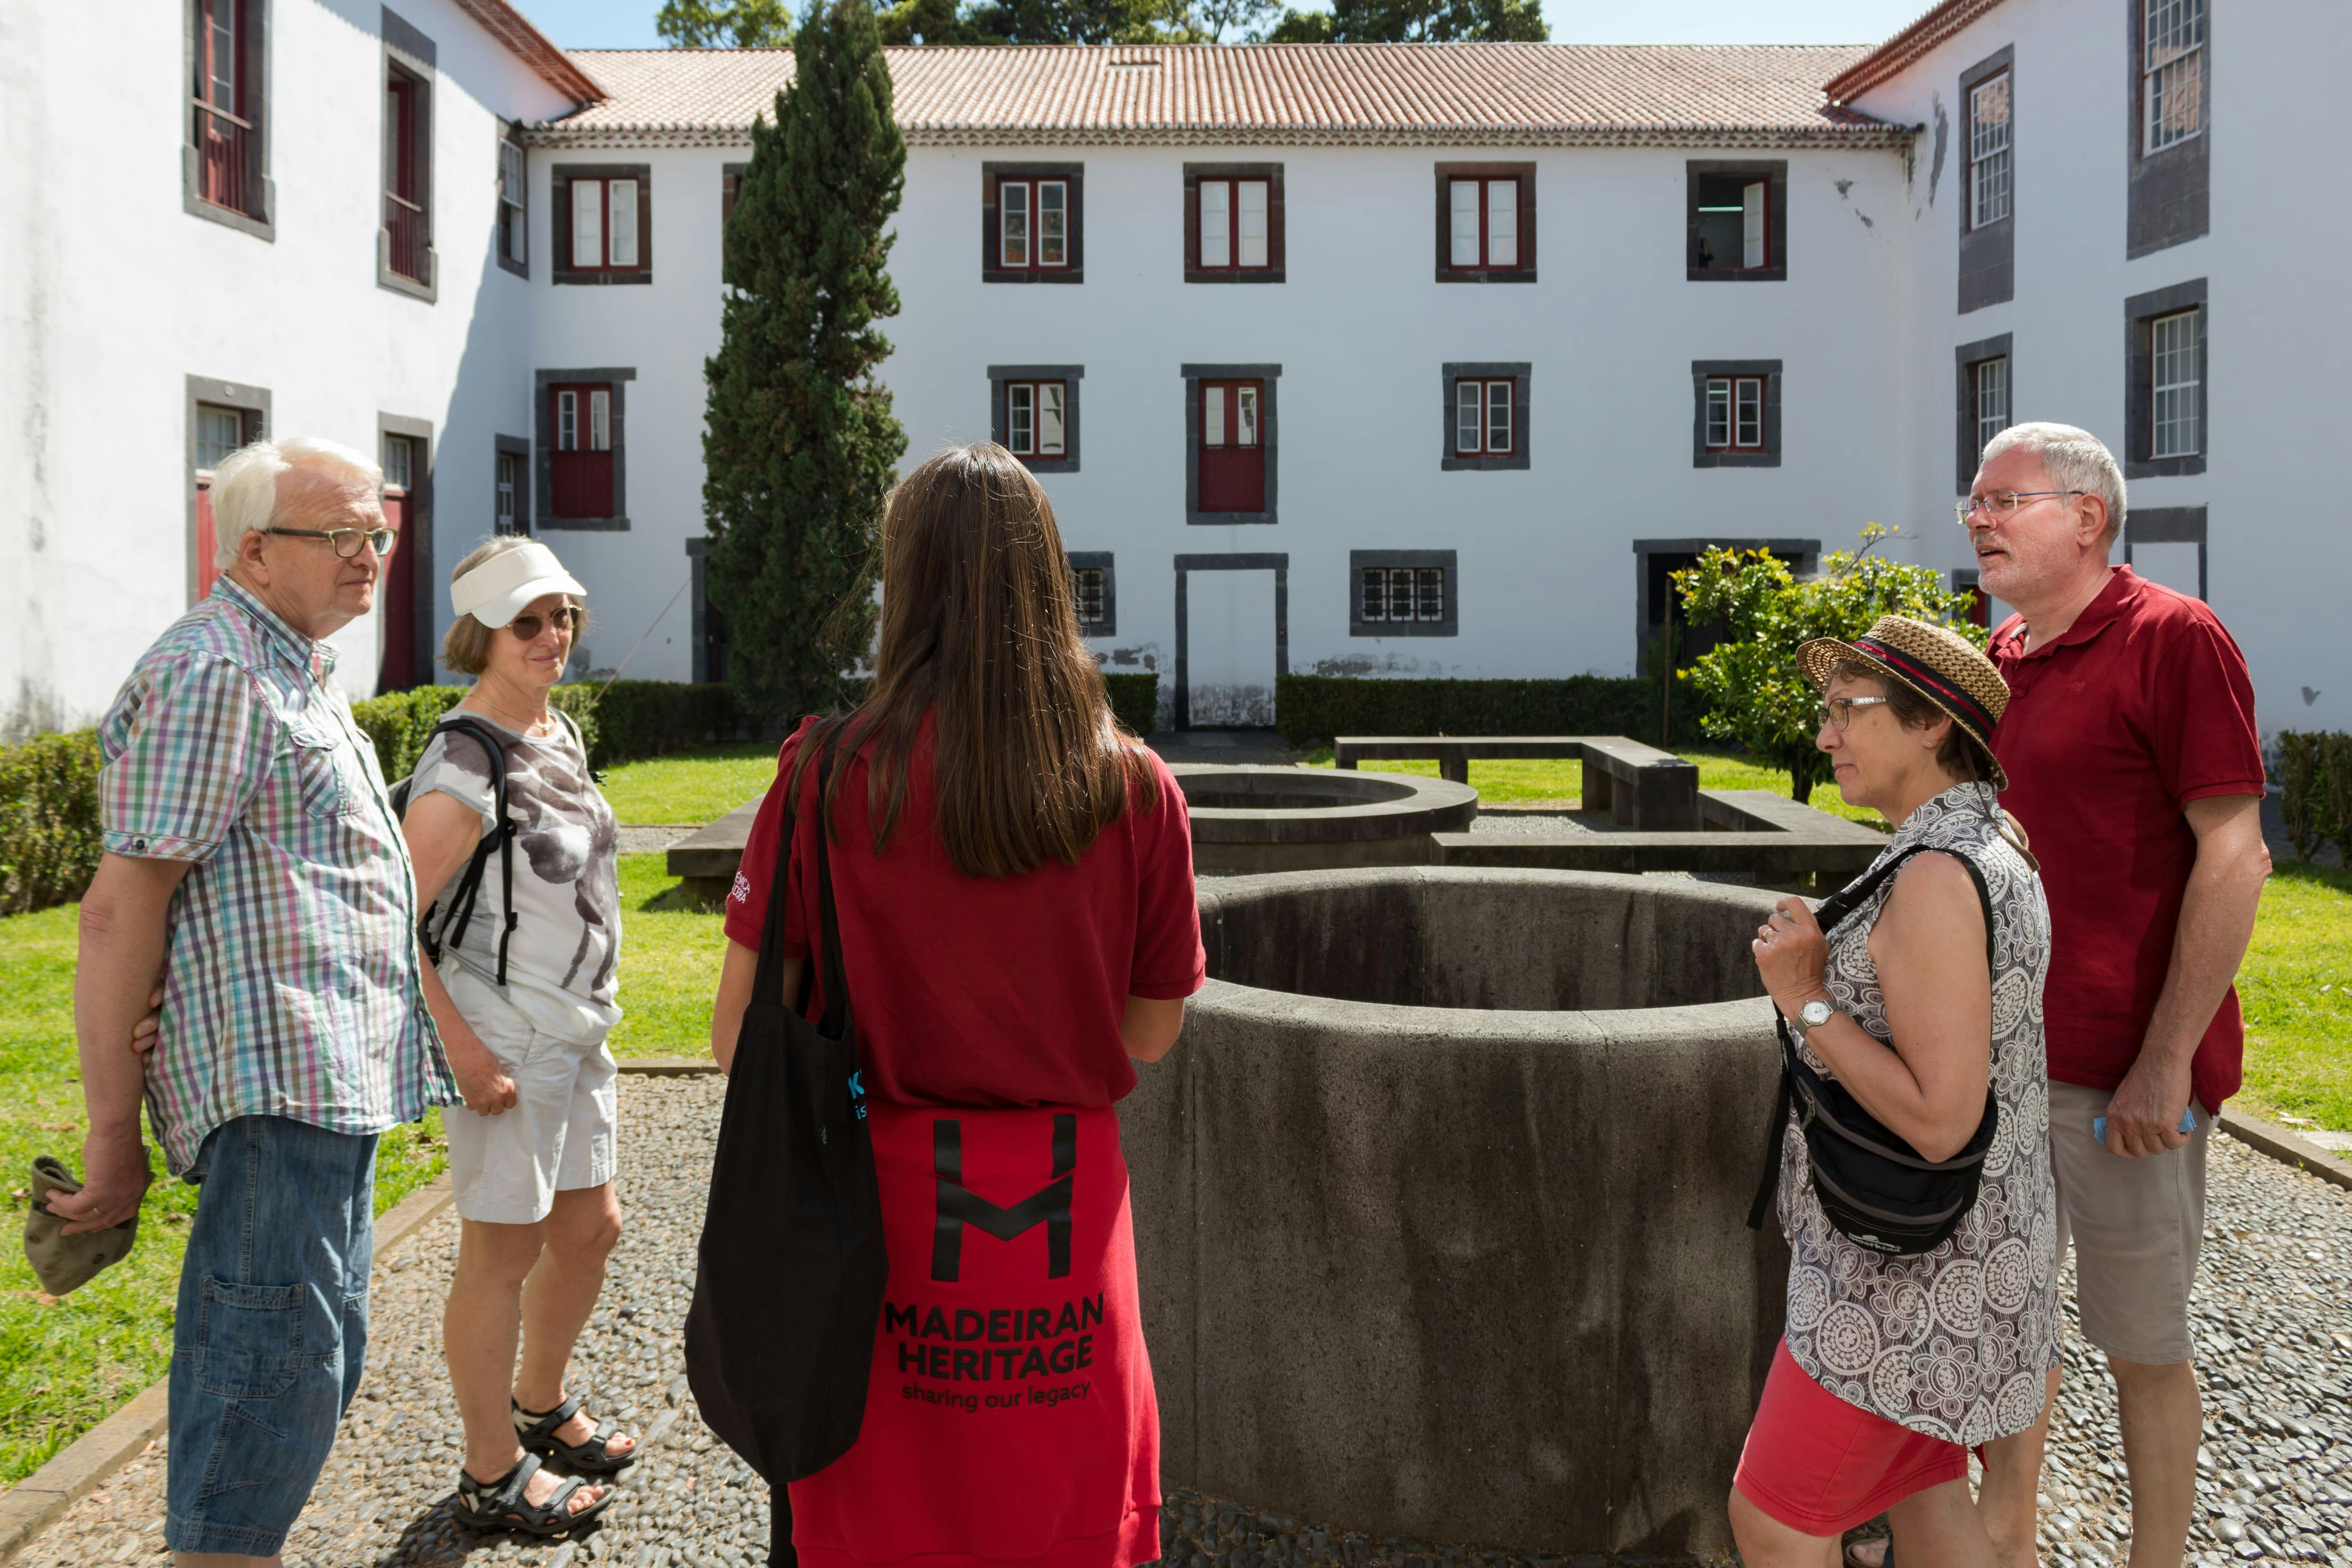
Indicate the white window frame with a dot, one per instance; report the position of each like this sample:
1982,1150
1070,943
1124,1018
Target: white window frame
400,475
514,197
1992,393
609,213
1735,406
506,473
1755,224
1234,219
567,420
2172,79
600,418
1483,410
1033,209
1031,409
1481,223
209,450
2176,374
1991,144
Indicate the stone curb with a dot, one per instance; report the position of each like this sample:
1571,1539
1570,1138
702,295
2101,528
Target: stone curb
666,1067
35,1503
2286,1148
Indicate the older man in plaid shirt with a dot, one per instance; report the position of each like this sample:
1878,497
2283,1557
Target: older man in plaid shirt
252,859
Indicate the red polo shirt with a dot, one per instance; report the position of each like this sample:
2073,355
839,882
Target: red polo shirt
2143,706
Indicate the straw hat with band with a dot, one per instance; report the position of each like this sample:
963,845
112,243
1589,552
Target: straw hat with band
1936,663
496,592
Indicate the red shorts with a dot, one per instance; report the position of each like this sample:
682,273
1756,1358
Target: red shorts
1821,1465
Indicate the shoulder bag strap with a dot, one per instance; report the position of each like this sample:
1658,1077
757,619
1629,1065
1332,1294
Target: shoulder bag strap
836,979
768,980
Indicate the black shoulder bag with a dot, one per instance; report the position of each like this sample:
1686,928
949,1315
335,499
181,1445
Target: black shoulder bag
1875,1188
791,1266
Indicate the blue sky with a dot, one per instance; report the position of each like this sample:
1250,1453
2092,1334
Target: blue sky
629,23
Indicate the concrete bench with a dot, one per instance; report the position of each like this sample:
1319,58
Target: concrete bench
1639,786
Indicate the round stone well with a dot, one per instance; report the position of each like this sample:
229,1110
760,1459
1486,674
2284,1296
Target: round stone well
1256,819
1440,1206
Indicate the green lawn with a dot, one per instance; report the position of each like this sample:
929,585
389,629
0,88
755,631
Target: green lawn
2297,989
65,1365
694,786
1504,782
670,949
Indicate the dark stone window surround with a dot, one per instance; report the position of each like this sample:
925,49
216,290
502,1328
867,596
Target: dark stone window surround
559,205
253,402
1099,561
2169,525
259,218
1360,560
990,272
697,653
2168,195
999,428
1965,360
512,446
511,133
413,52
2139,389
542,419
1803,555
1524,273
1276,239
1517,372
1269,435
1776,220
416,537
1988,255
1701,370
1276,562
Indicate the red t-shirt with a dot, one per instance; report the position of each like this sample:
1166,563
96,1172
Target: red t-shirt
984,991
2143,706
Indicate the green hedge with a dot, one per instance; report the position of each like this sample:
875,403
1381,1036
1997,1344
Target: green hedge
1316,707
1135,699
48,820
2315,779
622,721
400,722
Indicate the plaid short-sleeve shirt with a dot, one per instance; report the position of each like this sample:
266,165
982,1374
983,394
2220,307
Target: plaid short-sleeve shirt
292,986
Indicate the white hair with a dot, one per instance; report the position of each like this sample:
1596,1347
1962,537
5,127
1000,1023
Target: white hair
244,485
2073,459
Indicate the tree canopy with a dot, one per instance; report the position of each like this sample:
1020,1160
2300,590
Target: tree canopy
1211,22
1414,22
723,24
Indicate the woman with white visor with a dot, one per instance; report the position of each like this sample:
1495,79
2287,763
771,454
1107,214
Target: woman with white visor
523,1007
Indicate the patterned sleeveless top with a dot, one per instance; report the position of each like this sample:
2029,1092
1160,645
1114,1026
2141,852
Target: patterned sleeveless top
1953,1343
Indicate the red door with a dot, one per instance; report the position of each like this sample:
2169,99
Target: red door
1233,446
581,481
207,540
395,600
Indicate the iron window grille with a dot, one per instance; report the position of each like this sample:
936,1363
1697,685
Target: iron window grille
1402,593
2176,374
1087,587
1988,152
2172,73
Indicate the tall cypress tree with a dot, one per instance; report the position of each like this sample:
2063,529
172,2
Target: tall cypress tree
799,443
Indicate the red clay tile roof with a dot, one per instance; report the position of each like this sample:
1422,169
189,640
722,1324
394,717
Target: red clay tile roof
1413,94
1912,44
528,44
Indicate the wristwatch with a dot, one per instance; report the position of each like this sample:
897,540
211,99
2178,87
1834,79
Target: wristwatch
1814,1014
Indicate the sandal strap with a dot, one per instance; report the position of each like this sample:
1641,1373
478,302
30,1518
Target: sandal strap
542,1424
504,1495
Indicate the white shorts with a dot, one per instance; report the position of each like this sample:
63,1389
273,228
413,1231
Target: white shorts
556,1137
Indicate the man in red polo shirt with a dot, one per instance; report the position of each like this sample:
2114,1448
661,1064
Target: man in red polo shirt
2135,769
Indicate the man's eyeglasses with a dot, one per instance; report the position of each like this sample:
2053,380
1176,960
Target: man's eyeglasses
346,541
1838,711
565,620
2002,505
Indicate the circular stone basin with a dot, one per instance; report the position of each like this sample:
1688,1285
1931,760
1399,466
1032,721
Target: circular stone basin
1296,819
1439,1205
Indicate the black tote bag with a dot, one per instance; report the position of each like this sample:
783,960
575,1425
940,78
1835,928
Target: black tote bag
791,1268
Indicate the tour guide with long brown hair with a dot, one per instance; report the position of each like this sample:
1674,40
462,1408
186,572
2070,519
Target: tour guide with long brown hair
1014,879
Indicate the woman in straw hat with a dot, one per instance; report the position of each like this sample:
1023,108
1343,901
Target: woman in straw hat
1892,1366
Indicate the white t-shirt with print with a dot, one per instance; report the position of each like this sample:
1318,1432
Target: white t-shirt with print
561,959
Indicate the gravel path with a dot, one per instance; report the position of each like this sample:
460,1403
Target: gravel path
2274,1309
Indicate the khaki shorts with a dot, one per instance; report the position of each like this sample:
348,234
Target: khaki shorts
558,1134
2137,1227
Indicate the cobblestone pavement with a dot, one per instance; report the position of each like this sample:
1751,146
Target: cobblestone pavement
2274,1325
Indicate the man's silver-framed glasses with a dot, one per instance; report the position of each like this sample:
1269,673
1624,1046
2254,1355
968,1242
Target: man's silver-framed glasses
2002,505
1837,712
346,541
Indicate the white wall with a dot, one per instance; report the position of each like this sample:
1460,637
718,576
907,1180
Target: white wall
117,295
2280,355
1361,332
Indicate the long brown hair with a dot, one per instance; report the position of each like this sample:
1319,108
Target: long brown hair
980,629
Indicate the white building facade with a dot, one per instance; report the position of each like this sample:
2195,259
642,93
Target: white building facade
1356,360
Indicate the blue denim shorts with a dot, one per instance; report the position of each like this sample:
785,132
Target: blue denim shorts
272,1328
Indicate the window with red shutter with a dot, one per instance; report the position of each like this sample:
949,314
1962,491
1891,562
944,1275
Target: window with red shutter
1233,446
581,462
406,238
222,123
1031,215
1485,223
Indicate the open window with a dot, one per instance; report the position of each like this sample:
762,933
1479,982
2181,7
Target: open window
226,157
407,227
1738,222
514,204
1485,223
603,223
1030,217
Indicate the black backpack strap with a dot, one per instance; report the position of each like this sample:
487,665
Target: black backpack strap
469,882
